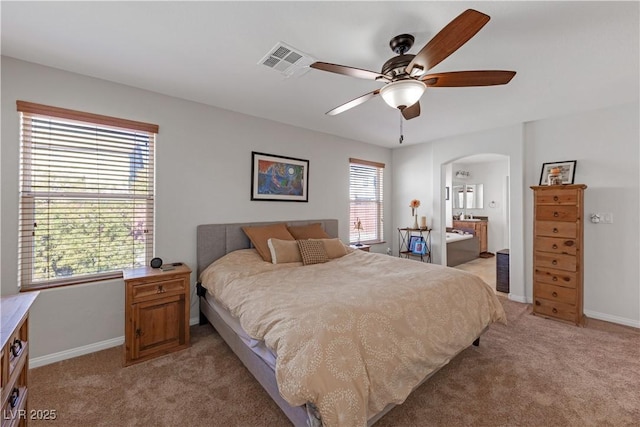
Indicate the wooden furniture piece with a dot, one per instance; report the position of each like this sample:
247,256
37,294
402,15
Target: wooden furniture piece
365,248
558,252
478,226
404,242
14,369
502,270
156,312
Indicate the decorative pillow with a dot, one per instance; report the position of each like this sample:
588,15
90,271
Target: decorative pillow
259,235
312,252
311,231
333,247
284,251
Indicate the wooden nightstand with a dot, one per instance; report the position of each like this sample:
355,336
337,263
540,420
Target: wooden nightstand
156,312
362,248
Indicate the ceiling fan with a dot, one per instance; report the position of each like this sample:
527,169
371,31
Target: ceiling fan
405,76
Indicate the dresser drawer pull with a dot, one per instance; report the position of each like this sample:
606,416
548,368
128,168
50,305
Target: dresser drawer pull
161,289
537,302
555,310
554,262
554,246
555,230
555,198
16,347
556,214
13,399
555,294
555,278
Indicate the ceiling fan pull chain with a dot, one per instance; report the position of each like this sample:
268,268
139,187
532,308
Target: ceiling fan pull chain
401,133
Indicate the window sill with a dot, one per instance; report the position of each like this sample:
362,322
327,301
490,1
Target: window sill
71,282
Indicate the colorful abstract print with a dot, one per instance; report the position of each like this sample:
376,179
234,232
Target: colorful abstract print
280,178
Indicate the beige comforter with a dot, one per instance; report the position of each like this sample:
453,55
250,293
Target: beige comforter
356,333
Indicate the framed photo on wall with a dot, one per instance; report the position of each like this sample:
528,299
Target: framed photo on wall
279,178
567,171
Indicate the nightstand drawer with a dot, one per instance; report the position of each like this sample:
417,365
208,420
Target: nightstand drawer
158,289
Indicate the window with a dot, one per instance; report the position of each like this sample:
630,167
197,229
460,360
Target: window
86,196
365,196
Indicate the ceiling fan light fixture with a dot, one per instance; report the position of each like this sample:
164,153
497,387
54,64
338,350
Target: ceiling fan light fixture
402,93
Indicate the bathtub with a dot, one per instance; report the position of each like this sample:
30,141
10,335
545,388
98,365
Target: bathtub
462,248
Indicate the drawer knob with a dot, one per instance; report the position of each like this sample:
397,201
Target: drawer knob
16,347
554,262
556,214
555,198
555,294
161,289
537,302
13,399
555,230
555,278
555,310
554,246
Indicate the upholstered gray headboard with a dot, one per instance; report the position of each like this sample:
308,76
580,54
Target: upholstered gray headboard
216,240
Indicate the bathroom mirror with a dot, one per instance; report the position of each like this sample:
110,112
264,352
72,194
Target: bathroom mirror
467,196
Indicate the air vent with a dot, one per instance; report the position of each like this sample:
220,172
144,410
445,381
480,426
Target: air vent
288,60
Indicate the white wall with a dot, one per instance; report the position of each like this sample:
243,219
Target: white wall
203,176
605,144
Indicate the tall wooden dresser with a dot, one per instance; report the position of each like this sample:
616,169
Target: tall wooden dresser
558,252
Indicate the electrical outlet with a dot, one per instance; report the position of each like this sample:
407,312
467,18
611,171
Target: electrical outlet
607,218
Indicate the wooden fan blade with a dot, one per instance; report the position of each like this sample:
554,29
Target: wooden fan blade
349,71
449,39
353,103
412,111
468,78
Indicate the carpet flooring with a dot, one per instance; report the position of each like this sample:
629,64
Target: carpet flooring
531,372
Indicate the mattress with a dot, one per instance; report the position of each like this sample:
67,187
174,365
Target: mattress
256,346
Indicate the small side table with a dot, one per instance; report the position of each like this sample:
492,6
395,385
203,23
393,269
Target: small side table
362,247
156,312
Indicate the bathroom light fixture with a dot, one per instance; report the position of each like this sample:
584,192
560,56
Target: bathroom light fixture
462,174
402,93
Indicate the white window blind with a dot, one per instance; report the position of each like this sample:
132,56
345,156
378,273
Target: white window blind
366,200
86,196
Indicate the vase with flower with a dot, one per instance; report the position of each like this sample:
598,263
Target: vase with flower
414,205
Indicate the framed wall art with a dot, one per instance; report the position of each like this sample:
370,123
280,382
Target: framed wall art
279,178
567,171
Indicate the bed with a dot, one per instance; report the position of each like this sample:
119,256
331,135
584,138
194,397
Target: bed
462,246
337,343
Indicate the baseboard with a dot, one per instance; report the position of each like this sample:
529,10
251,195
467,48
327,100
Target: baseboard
85,349
74,352
613,319
518,298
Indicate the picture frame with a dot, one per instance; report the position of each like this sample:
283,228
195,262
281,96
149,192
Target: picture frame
279,178
567,171
412,242
420,247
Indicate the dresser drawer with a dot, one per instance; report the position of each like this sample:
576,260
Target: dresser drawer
556,197
556,229
555,309
557,213
555,277
158,289
555,293
555,245
559,261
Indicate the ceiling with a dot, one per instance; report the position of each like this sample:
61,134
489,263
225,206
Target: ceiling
569,57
